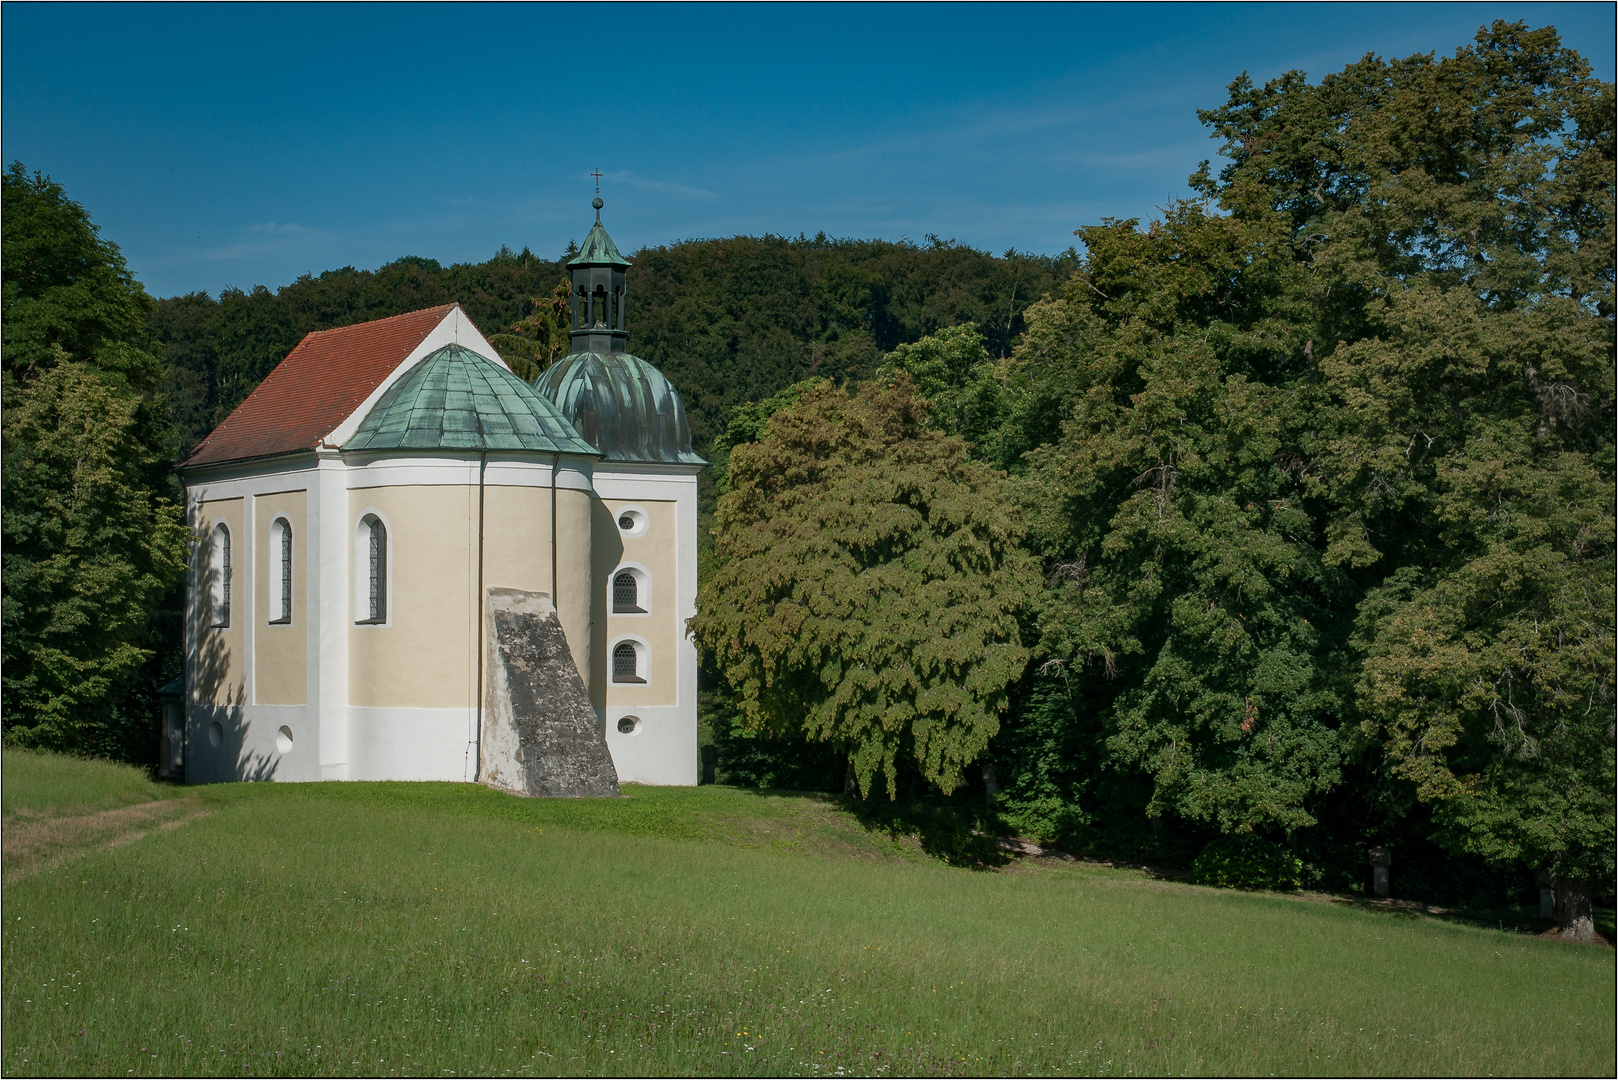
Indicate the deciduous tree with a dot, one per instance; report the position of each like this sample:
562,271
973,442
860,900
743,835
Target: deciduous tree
870,585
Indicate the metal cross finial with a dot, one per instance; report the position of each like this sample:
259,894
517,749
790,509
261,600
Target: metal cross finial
597,175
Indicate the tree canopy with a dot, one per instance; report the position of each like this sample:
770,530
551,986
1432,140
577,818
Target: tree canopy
869,586
92,543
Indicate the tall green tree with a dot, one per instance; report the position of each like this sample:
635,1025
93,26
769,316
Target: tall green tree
869,586
1187,596
1457,215
1323,466
92,545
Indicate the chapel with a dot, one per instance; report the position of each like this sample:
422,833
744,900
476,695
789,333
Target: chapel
359,513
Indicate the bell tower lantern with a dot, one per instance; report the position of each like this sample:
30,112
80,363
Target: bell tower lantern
598,293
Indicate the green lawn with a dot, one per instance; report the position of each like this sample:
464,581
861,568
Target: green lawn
438,928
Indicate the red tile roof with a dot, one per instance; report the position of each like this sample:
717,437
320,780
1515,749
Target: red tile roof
318,385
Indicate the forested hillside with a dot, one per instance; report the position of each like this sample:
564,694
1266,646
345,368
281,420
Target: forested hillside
728,321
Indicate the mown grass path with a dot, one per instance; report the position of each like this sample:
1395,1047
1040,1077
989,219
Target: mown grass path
411,929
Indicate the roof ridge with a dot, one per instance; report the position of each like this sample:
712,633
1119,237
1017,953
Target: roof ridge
383,319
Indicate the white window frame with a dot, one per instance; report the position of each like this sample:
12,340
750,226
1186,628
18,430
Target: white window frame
643,660
221,568
643,590
362,569
281,600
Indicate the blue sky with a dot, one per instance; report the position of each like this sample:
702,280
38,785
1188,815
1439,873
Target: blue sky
247,144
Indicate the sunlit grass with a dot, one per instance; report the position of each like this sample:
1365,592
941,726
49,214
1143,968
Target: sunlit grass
413,929
42,783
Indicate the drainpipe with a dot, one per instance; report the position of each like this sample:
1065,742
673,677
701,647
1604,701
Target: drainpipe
556,459
477,770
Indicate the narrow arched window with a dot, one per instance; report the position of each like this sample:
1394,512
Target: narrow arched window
219,577
626,663
626,593
374,550
280,571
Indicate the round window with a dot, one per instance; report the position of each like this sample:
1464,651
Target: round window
627,725
216,733
283,740
632,522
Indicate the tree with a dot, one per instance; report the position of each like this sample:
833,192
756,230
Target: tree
953,371
66,291
537,341
1323,466
91,546
869,588
1187,597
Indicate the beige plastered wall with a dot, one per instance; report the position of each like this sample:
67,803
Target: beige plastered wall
654,550
281,650
426,655
218,663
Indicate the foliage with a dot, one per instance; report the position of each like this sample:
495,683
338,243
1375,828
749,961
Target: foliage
952,369
91,550
1247,862
1186,595
66,291
747,424
868,587
92,544
1322,469
1458,216
534,343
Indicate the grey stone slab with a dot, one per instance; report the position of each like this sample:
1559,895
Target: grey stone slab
540,734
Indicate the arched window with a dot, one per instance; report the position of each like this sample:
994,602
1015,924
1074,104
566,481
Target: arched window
626,663
625,593
280,571
372,565
219,577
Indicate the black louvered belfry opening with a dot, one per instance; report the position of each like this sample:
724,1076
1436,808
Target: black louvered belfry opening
625,592
623,663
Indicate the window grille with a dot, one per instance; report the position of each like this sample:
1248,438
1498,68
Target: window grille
286,571
221,577
377,586
625,592
624,664
282,532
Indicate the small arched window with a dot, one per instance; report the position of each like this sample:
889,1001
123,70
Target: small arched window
374,567
626,663
219,577
626,593
280,571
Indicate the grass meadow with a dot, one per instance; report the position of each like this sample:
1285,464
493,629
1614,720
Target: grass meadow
412,929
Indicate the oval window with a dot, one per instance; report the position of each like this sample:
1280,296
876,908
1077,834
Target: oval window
628,725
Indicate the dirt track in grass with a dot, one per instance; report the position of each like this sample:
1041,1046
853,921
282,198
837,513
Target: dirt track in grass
31,841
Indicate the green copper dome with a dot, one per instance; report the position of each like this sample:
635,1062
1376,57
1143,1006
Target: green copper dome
622,406
455,399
